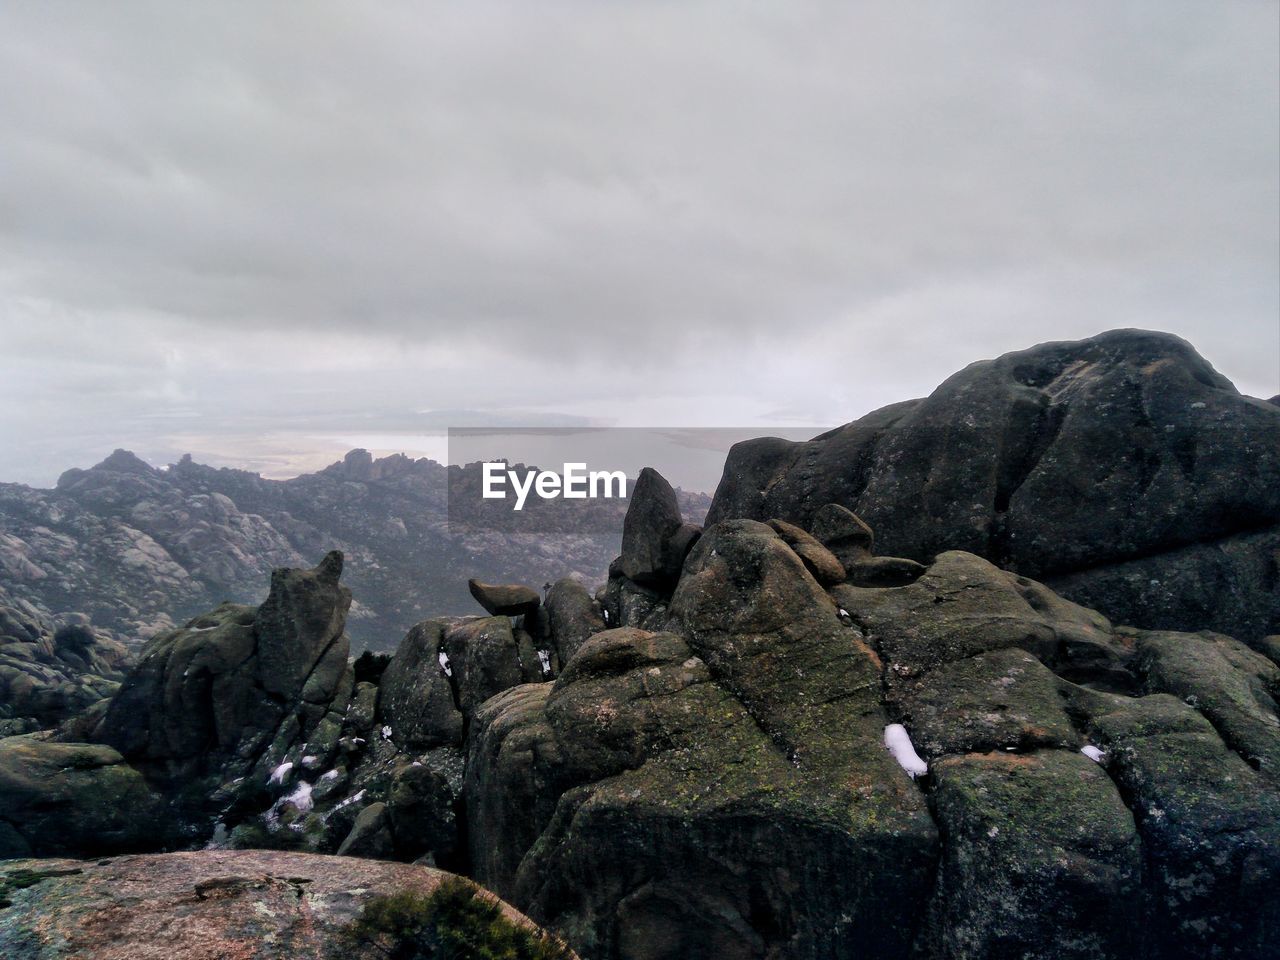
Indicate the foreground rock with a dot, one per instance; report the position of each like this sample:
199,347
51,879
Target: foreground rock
707,779
219,905
723,786
753,761
1122,470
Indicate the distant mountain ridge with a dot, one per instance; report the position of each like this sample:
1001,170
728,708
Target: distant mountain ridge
139,549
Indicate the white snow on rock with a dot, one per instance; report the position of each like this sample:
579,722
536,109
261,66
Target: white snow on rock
280,772
1095,754
386,733
300,798
898,741
444,664
329,775
545,659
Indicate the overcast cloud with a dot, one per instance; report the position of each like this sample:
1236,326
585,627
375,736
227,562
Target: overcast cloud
266,233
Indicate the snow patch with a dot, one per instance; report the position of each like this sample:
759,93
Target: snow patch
386,733
545,659
280,772
444,664
300,798
1095,754
898,741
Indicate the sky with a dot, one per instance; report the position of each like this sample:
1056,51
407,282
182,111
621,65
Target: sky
264,234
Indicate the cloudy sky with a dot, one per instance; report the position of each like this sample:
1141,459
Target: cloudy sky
267,233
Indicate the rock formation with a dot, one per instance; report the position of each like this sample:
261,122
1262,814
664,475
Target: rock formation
761,740
138,550
48,675
715,785
1123,471
223,905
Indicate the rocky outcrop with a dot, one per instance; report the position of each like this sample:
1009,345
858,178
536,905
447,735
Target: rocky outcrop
573,616
75,798
239,686
138,550
48,675
655,538
1122,470
712,780
717,787
261,904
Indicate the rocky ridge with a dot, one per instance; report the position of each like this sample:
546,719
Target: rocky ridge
698,768
761,739
137,550
1123,471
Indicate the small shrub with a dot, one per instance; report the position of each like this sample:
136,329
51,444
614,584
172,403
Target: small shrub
456,922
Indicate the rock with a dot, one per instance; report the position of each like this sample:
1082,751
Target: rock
573,617
629,604
1097,466
299,628
883,572
485,659
1041,859
1232,686
362,714
370,836
1002,700
1270,647
423,812
1210,828
219,905
511,600
820,561
651,550
843,532
238,687
660,764
78,798
48,676
415,697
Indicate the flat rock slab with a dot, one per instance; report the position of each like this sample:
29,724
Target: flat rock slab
206,905
505,599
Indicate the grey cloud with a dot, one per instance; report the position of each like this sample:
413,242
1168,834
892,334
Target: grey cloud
284,219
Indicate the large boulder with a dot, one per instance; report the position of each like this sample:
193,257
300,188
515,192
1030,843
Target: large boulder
507,600
77,799
573,617
653,542
271,905
719,791
1122,470
1002,686
416,696
238,687
1041,861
